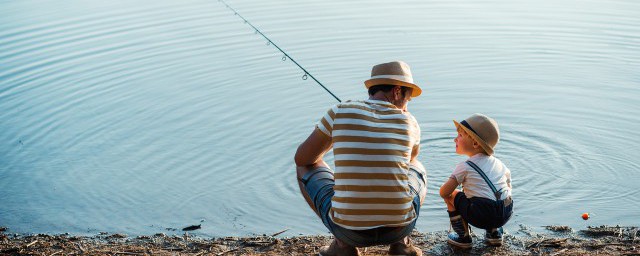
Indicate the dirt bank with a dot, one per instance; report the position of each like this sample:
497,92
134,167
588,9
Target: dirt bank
559,240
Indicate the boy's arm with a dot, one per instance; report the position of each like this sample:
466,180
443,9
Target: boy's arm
313,148
448,187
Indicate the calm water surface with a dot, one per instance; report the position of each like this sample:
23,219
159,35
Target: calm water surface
138,116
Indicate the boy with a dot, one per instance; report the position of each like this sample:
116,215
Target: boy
486,200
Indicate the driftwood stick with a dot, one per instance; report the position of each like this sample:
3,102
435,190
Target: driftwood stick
280,232
30,244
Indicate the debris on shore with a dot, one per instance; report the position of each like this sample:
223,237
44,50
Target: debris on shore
611,231
604,240
192,227
558,228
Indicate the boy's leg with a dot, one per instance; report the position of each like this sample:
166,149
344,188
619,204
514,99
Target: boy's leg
450,201
504,211
461,236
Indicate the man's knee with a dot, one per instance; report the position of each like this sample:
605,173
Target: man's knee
417,165
301,171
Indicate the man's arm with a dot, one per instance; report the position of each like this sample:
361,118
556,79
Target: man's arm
313,148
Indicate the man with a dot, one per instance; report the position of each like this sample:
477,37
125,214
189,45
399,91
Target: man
374,195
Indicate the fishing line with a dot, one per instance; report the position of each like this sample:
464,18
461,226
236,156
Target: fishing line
286,56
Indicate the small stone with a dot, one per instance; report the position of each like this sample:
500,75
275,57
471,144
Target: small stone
117,236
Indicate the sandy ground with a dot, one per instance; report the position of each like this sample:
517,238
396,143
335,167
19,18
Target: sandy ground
558,240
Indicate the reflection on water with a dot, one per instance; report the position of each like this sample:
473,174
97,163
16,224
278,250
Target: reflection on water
140,116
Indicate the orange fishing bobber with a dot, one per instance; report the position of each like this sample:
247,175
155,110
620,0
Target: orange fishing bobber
585,216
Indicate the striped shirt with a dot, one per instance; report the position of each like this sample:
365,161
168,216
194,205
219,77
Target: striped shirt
372,144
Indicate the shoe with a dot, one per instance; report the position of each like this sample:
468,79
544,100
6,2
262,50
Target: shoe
461,237
494,237
463,242
338,248
404,248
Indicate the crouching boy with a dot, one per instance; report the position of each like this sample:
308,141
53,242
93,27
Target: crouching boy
486,200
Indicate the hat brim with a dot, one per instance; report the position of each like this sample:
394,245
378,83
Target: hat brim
377,81
475,136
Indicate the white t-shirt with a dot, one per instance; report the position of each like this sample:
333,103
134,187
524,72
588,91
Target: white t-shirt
474,185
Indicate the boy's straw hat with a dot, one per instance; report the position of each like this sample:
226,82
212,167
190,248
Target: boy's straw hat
393,73
482,129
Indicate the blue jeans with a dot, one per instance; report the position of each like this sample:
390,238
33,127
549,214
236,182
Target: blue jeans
319,184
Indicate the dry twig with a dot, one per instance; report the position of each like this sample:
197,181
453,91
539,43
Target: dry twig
30,244
277,233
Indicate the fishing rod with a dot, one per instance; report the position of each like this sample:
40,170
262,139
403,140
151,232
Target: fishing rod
284,58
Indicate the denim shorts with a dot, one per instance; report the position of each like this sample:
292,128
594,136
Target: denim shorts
482,212
319,186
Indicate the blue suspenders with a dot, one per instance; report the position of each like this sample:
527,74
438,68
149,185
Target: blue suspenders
496,193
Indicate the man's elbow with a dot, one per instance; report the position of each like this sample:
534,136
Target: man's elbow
299,161
298,158
301,158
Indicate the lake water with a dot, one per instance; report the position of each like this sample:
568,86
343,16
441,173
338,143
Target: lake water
138,116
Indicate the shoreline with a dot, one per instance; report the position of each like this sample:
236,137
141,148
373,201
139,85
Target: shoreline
558,240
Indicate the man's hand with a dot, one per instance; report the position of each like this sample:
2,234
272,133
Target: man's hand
313,148
414,152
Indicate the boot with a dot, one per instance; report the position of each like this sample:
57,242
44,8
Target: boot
494,236
338,248
461,236
404,248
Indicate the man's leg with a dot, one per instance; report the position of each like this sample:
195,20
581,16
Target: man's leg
337,246
418,184
423,192
301,172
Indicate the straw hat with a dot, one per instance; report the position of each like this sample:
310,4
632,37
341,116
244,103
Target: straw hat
482,129
393,73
